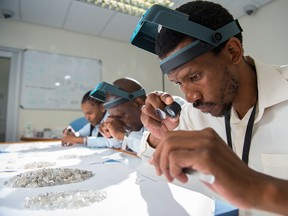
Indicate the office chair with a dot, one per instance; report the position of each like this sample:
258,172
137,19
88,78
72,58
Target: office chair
77,124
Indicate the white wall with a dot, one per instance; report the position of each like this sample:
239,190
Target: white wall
118,60
265,33
264,38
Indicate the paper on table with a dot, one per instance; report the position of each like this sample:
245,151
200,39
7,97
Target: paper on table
123,184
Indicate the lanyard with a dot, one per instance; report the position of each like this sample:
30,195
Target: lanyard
248,134
91,129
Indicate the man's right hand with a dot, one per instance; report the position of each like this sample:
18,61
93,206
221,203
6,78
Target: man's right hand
152,121
115,127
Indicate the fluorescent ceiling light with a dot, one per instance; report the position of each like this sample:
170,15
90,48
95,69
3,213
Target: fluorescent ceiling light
67,77
131,7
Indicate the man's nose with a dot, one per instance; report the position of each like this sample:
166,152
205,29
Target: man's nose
191,95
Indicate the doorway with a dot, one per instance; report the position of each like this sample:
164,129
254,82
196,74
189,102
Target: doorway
10,65
4,81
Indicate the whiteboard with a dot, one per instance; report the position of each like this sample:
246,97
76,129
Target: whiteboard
56,81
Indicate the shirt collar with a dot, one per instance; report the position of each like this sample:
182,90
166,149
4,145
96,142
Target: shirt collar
272,85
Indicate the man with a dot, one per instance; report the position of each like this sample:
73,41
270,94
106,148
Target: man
232,98
123,102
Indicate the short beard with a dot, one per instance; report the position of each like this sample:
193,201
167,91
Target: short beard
225,111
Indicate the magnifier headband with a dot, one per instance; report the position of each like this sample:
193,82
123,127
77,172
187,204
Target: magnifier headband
101,90
184,55
146,32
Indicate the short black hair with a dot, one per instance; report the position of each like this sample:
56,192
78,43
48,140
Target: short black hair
209,14
87,98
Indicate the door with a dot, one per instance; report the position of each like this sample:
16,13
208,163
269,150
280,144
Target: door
4,81
10,66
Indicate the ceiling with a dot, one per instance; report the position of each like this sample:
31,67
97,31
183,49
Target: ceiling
72,15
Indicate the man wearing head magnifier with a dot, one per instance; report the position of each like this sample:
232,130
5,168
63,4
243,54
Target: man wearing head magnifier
123,100
223,129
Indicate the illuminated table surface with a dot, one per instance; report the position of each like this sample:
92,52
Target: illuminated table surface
131,185
38,139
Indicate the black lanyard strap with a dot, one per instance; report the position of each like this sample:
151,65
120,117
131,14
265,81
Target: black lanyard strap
91,129
248,134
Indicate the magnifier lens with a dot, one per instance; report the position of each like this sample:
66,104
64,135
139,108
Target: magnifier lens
173,109
170,112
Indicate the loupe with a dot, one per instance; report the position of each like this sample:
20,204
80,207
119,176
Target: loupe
171,110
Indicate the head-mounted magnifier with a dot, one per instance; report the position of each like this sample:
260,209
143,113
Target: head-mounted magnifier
101,90
146,32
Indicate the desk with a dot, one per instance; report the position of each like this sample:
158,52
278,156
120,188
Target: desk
132,189
36,139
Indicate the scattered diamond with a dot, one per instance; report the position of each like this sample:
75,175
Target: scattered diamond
48,177
39,164
64,200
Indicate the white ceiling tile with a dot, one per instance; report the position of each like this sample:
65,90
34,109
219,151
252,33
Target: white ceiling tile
261,2
178,3
12,5
236,7
51,13
120,27
55,7
223,2
87,18
50,21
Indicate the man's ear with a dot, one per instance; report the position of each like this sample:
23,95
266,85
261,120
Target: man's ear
139,102
235,50
101,107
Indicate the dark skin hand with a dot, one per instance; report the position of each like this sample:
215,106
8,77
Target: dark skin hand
69,138
113,127
154,123
206,152
104,130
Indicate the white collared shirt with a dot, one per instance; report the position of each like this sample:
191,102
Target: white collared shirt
269,144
